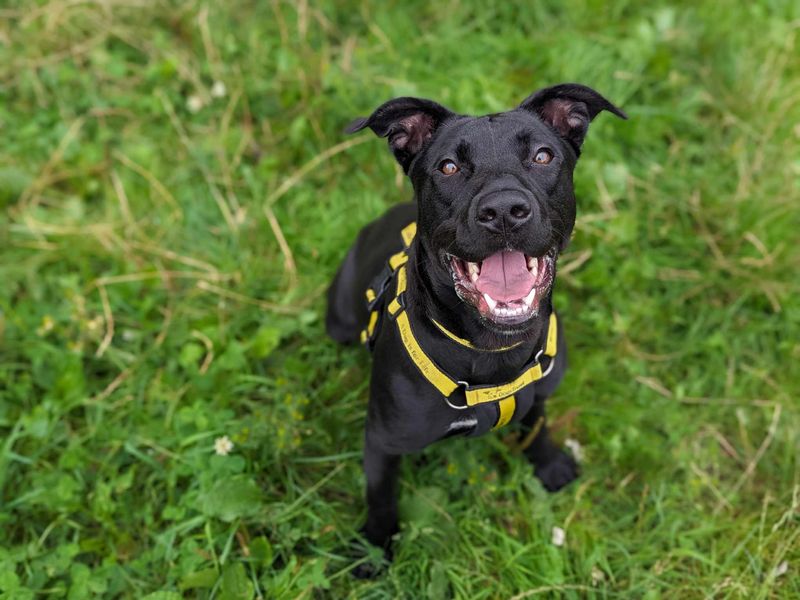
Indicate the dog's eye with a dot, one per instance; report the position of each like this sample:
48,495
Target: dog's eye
448,167
543,156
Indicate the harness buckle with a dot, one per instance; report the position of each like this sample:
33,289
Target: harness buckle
396,306
382,280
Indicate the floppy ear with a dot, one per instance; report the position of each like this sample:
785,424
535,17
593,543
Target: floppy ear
569,108
407,122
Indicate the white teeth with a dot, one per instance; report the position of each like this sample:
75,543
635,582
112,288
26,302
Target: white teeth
490,301
528,300
533,266
516,310
474,271
509,312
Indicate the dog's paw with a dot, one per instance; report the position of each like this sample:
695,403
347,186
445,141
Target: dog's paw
371,560
368,570
557,472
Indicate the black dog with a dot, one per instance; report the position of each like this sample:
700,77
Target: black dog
458,284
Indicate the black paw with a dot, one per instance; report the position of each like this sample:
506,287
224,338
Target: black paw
557,472
372,560
368,570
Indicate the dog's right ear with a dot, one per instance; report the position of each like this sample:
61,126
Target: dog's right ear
408,123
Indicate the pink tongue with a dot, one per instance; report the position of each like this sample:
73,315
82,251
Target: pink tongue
505,277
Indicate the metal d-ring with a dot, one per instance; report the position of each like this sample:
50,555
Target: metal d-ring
549,367
453,406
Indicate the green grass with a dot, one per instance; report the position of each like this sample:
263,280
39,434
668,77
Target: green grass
161,285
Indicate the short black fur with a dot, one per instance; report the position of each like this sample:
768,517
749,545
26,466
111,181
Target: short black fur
499,199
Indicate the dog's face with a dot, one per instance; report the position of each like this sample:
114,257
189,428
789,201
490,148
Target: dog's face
495,195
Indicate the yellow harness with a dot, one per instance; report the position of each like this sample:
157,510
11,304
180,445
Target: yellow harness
502,394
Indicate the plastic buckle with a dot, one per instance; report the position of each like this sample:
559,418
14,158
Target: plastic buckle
401,301
384,278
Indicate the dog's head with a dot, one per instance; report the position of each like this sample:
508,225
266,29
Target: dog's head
495,195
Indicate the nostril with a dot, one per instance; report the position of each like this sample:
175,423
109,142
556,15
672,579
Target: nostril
520,211
487,215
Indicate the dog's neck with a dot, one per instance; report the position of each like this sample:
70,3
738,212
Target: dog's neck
434,301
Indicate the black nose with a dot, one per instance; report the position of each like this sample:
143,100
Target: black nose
501,212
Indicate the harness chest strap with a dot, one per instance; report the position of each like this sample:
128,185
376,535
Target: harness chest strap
503,395
445,384
505,411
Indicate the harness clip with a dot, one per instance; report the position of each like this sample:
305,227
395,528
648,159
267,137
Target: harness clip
396,306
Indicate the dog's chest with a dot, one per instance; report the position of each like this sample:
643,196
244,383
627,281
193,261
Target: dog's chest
481,419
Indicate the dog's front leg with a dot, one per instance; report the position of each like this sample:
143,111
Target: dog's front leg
552,466
380,469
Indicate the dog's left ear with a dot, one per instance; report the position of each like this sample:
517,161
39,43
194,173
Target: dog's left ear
407,122
569,108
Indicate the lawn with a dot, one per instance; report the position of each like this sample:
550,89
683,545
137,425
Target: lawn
175,193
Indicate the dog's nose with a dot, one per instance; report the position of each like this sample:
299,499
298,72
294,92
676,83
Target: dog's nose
502,212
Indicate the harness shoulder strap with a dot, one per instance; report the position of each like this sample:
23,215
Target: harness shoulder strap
473,394
376,292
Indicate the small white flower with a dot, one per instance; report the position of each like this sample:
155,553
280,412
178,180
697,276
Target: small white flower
558,536
781,568
218,90
223,445
94,324
597,576
194,103
46,327
575,448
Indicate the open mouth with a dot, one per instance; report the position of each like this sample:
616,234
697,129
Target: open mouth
507,286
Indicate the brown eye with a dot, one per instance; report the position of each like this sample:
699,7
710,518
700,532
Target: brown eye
543,156
448,167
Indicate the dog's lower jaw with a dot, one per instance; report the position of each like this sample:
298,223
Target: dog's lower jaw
442,304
